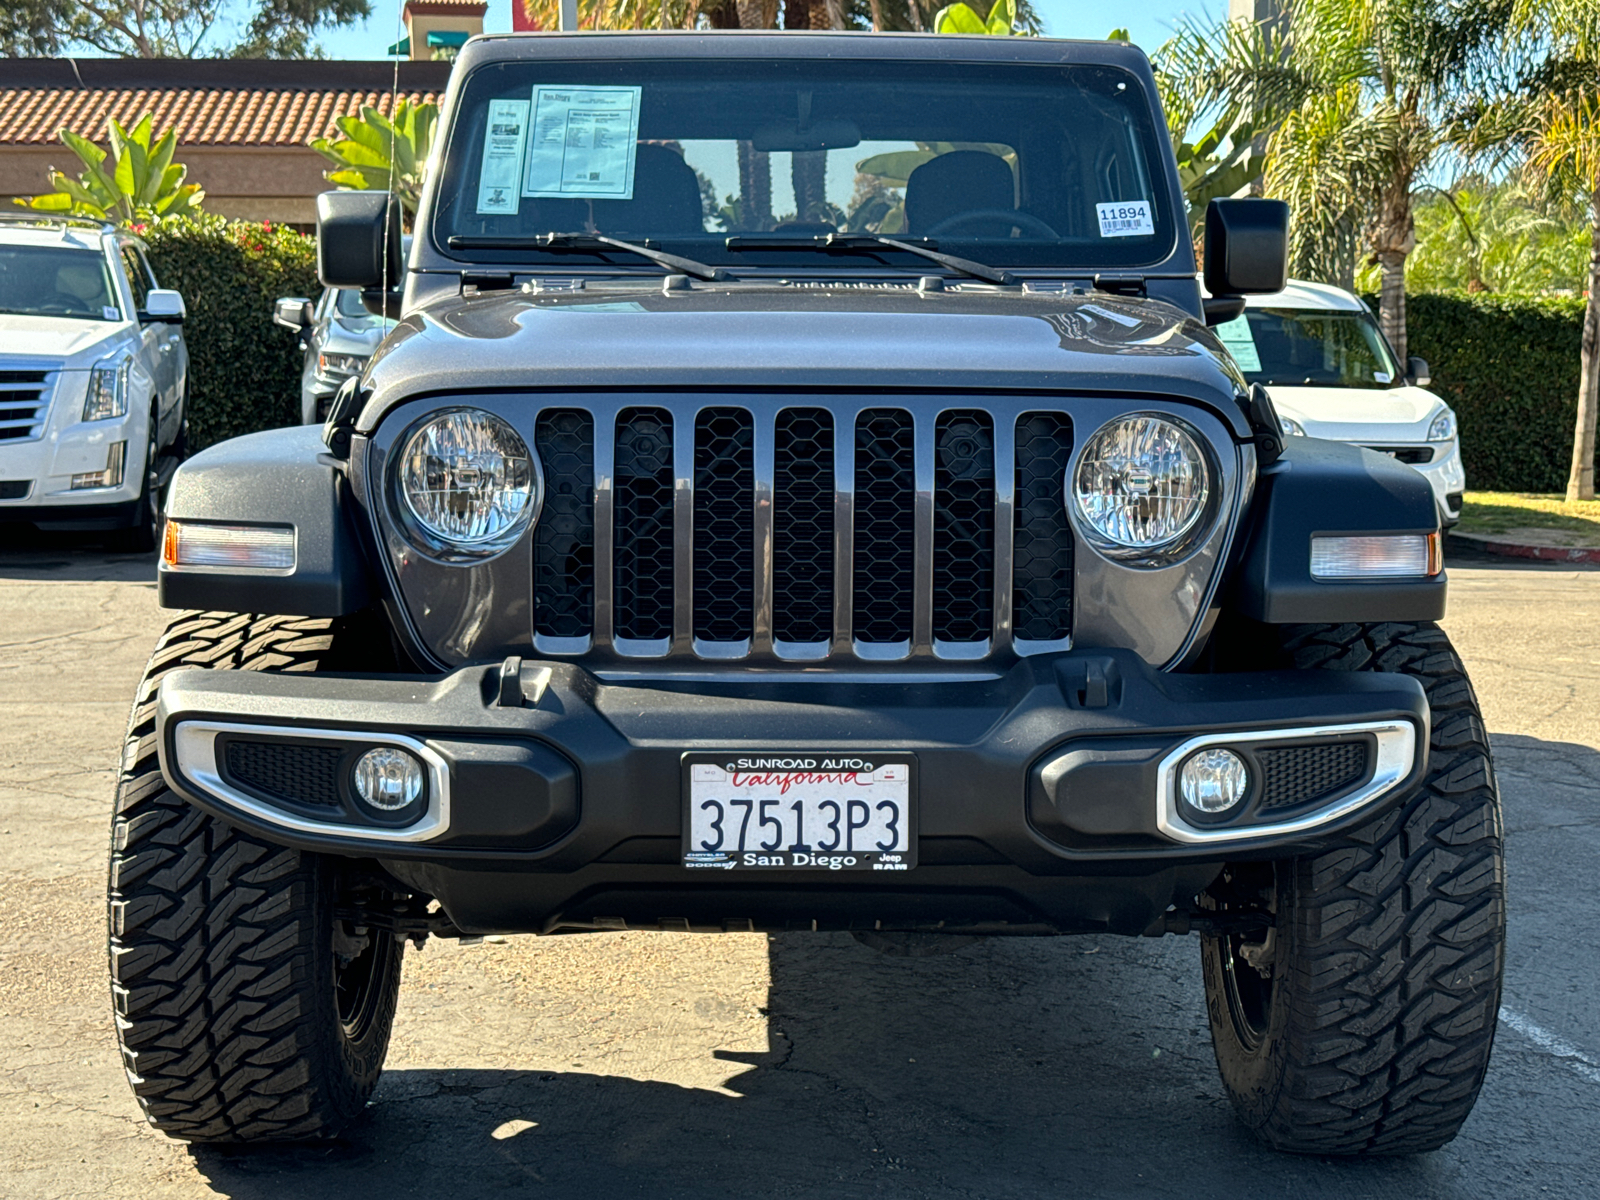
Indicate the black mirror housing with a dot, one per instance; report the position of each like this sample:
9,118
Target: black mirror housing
1247,247
1417,371
358,239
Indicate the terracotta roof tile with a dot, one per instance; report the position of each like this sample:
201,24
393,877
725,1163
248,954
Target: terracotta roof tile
202,116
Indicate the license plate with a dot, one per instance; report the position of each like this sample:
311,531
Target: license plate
808,812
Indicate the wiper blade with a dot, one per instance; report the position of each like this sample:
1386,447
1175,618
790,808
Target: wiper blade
591,242
848,243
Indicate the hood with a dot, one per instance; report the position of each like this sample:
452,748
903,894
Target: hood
57,338
824,336
1400,414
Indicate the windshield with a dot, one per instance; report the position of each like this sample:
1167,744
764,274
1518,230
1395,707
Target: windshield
347,301
56,281
1311,347
719,160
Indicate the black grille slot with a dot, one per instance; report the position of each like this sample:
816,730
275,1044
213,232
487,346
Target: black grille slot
884,527
563,542
22,376
19,414
1042,538
284,771
1299,774
13,489
963,527
724,524
643,524
1415,455
802,526
16,431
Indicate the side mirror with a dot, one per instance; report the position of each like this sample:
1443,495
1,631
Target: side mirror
358,239
292,312
1247,247
164,305
1417,372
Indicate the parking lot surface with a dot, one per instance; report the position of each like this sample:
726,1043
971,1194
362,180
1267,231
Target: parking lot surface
676,1065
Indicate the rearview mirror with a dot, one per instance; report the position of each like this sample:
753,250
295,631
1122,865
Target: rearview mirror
358,239
1247,247
292,312
791,137
163,305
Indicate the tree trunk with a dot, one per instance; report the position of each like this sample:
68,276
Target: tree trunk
1580,483
809,173
1392,301
755,188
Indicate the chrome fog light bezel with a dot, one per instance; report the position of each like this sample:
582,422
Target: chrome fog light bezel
429,540
1176,545
1394,759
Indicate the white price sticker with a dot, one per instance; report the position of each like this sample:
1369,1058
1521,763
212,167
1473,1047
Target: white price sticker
583,143
1125,218
503,143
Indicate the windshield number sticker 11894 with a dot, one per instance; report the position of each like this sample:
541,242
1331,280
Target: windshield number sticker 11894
812,812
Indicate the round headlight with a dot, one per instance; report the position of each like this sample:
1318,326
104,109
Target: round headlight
1140,488
468,484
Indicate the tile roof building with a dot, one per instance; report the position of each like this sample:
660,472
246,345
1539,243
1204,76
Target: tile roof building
242,124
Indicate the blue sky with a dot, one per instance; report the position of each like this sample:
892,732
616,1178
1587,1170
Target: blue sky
1149,22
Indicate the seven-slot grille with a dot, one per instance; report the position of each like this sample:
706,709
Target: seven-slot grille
717,532
24,400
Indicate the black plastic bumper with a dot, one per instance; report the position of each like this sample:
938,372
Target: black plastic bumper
566,811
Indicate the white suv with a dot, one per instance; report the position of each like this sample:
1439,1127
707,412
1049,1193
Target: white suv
93,375
1332,374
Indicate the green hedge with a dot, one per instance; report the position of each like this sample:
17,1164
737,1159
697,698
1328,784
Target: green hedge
1509,366
244,371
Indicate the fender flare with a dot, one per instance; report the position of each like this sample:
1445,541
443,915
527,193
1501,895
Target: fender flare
281,477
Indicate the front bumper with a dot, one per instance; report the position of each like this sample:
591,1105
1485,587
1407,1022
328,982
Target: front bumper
1040,804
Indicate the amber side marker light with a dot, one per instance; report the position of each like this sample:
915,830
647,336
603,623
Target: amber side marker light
1377,556
240,547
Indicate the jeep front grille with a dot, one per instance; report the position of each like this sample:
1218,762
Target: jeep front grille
723,532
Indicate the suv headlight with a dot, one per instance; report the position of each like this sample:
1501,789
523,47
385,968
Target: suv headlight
468,486
108,392
1291,427
1140,488
1443,427
340,366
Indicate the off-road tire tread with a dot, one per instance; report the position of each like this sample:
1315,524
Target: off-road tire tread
1396,939
213,932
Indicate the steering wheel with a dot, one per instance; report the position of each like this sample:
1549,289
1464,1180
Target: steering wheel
69,303
1026,222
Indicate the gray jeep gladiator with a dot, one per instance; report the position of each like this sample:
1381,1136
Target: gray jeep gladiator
803,492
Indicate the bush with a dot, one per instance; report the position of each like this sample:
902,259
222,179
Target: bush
1509,366
244,371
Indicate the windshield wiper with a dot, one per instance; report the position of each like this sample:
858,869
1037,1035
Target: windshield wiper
591,242
851,243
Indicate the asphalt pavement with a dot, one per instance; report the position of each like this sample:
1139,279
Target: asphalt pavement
677,1065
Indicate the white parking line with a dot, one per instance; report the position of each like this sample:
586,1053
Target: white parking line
1551,1044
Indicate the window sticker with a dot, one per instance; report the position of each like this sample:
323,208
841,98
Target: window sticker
583,143
503,143
109,313
1383,377
1235,335
1125,218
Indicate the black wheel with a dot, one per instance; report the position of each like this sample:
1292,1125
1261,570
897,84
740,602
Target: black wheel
245,1010
144,535
1363,1020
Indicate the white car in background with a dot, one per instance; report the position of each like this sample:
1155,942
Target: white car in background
1331,373
93,375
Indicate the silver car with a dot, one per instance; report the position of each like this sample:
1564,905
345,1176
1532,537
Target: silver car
338,335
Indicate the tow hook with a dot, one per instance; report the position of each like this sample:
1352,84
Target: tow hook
1216,924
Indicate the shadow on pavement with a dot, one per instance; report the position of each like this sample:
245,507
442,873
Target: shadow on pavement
1026,1068
30,554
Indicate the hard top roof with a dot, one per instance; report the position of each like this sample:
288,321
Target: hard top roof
772,43
35,227
1301,293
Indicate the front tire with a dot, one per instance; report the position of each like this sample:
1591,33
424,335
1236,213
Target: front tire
245,1010
1364,1022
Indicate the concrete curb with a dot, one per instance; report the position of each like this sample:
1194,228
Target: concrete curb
1490,545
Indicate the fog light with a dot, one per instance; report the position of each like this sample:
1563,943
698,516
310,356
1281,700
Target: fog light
1213,780
116,457
388,779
